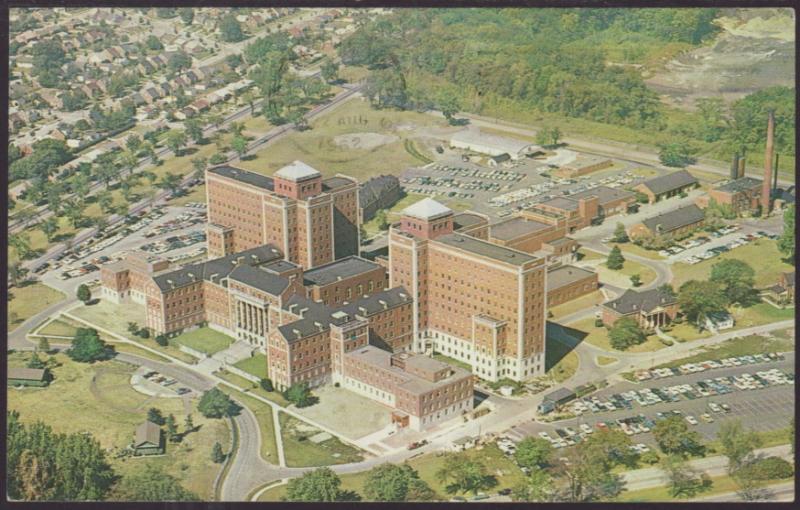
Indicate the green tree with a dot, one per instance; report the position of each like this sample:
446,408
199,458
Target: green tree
737,280
41,464
199,163
133,143
106,201
154,415
625,333
300,395
555,136
84,293
786,241
612,445
21,243
674,437
188,423
162,340
151,484
216,404
636,280
319,485
171,182
449,104
615,259
620,235
684,481
176,141
239,144
537,487
738,443
381,219
87,347
230,29
585,474
329,70
44,345
35,361
17,273
194,130
711,110
217,455
266,384
172,429
697,298
392,482
186,14
533,452
676,154
153,43
49,227
463,474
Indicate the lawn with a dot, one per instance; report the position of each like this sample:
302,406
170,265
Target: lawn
638,250
26,301
205,340
761,313
599,338
581,303
606,360
585,254
560,361
300,451
198,194
59,327
768,267
263,414
503,468
251,387
744,346
452,361
138,351
111,316
622,277
316,146
684,332
111,413
256,365
720,485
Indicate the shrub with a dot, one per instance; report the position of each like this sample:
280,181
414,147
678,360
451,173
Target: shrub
768,468
266,384
650,457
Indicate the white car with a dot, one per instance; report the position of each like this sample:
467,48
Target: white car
545,436
691,419
586,428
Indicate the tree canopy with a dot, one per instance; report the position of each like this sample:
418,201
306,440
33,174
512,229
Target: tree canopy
87,347
392,482
151,484
216,404
737,280
320,485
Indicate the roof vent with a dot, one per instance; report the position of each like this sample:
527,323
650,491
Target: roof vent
318,325
614,304
192,276
362,310
338,278
303,312
214,277
403,295
383,303
635,307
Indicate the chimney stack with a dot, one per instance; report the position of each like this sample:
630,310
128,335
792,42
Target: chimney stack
775,175
735,167
742,161
765,188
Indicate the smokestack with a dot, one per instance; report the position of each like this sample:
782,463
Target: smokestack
742,161
735,167
775,175
765,188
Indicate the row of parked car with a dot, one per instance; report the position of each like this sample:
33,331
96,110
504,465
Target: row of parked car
165,381
691,368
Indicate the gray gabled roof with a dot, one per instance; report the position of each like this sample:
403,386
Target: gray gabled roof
379,301
674,220
670,182
372,190
336,270
647,300
148,432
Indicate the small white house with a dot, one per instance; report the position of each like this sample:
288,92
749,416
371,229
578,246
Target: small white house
718,321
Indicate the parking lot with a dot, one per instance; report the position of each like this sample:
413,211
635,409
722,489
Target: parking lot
500,190
762,409
704,247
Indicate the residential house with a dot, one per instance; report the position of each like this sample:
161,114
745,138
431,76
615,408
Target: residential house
149,439
650,308
782,292
718,321
28,377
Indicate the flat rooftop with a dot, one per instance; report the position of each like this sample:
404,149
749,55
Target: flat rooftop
604,194
485,249
332,183
566,275
337,270
567,204
516,227
245,176
465,219
738,185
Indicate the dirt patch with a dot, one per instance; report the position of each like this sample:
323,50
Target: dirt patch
365,141
754,50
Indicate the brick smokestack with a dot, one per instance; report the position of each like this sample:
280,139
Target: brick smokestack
742,161
735,167
768,154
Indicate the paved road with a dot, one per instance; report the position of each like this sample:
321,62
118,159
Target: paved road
778,492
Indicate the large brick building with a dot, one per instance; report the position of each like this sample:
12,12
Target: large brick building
670,225
666,186
741,195
312,220
650,308
474,301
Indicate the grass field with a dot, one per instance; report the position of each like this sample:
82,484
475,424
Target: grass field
744,346
198,194
599,337
684,332
719,485
251,387
761,313
622,277
263,414
256,365
586,254
560,361
111,413
605,360
638,250
583,302
316,146
111,316
25,302
301,452
205,340
60,327
138,351
762,255
501,467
